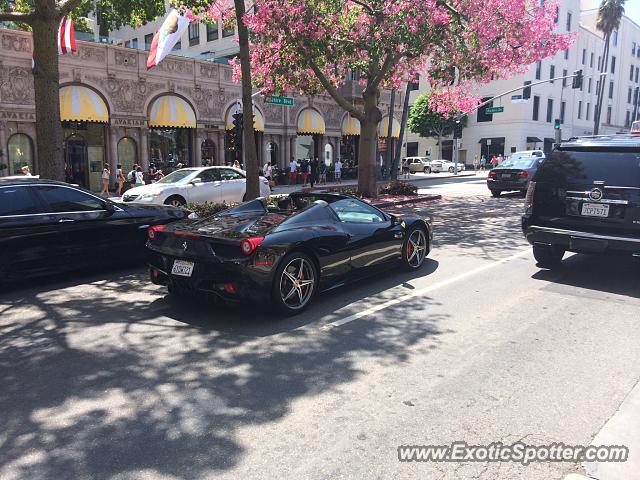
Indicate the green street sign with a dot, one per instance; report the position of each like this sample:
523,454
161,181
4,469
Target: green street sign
491,110
276,100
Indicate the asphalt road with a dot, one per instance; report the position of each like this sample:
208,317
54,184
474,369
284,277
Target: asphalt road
102,377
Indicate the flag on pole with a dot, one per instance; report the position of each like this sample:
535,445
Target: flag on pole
66,37
165,39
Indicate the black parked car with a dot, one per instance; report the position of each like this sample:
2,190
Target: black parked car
284,255
515,173
48,227
585,198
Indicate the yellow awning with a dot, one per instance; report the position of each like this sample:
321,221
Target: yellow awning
350,126
310,122
383,128
258,120
81,104
170,111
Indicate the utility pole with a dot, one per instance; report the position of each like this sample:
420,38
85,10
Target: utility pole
387,161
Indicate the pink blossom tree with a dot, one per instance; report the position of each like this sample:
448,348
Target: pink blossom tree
310,46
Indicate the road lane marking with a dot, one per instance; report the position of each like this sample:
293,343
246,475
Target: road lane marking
422,291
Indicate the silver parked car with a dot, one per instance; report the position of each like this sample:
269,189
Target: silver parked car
445,166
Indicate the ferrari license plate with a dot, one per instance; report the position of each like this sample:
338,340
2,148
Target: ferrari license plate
595,210
182,268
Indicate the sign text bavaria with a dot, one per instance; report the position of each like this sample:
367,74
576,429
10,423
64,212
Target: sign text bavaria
274,99
491,110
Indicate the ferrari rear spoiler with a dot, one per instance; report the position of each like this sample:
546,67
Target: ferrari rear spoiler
259,205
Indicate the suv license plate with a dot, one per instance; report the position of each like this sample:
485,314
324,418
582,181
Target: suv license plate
595,210
182,268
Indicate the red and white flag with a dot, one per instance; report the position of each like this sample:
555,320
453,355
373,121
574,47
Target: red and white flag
165,39
66,36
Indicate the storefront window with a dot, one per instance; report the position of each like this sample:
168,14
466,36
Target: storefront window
170,147
208,148
127,154
84,153
20,152
305,146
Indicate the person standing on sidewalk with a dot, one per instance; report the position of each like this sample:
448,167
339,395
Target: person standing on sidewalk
483,162
293,172
119,180
476,162
106,174
338,171
315,165
323,173
304,171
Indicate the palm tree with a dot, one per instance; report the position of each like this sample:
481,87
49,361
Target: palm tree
609,16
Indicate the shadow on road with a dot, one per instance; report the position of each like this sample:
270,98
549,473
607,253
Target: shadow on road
101,381
601,274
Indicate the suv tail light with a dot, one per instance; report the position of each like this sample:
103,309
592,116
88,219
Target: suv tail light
528,199
152,231
248,245
492,174
523,174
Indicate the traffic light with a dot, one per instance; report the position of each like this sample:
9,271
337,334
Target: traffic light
557,125
577,79
237,121
457,130
526,91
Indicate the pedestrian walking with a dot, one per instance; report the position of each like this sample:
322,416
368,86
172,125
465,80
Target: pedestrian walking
500,159
119,180
494,161
476,163
406,169
315,165
304,171
338,171
293,172
106,175
323,173
483,163
139,177
131,176
267,171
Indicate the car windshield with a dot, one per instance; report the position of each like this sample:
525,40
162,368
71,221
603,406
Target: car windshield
614,166
519,163
179,176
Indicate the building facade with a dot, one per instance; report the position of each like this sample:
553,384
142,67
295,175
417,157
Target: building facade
115,111
525,125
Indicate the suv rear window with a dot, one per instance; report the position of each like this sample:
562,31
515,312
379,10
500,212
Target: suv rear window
614,166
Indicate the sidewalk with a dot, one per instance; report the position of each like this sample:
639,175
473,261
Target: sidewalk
414,178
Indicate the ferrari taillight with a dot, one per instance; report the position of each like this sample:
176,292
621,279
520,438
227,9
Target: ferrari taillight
152,231
248,245
528,199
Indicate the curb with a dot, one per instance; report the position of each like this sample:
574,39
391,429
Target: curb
420,199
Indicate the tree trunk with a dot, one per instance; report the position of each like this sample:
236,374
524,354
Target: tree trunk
368,146
440,146
46,83
403,127
250,154
600,93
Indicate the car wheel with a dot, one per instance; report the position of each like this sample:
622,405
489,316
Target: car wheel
175,201
415,248
548,256
496,193
450,169
427,170
295,283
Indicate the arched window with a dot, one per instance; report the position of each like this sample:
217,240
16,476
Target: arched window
208,148
127,154
20,153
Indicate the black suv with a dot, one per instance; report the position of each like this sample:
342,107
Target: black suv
585,198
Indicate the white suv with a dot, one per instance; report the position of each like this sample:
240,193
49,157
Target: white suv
418,164
445,166
196,185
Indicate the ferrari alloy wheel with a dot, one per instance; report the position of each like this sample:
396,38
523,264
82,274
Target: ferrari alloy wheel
296,282
415,248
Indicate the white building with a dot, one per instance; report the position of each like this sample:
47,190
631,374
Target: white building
530,124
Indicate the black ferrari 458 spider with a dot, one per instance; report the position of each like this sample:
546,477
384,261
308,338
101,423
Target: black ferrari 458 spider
284,255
